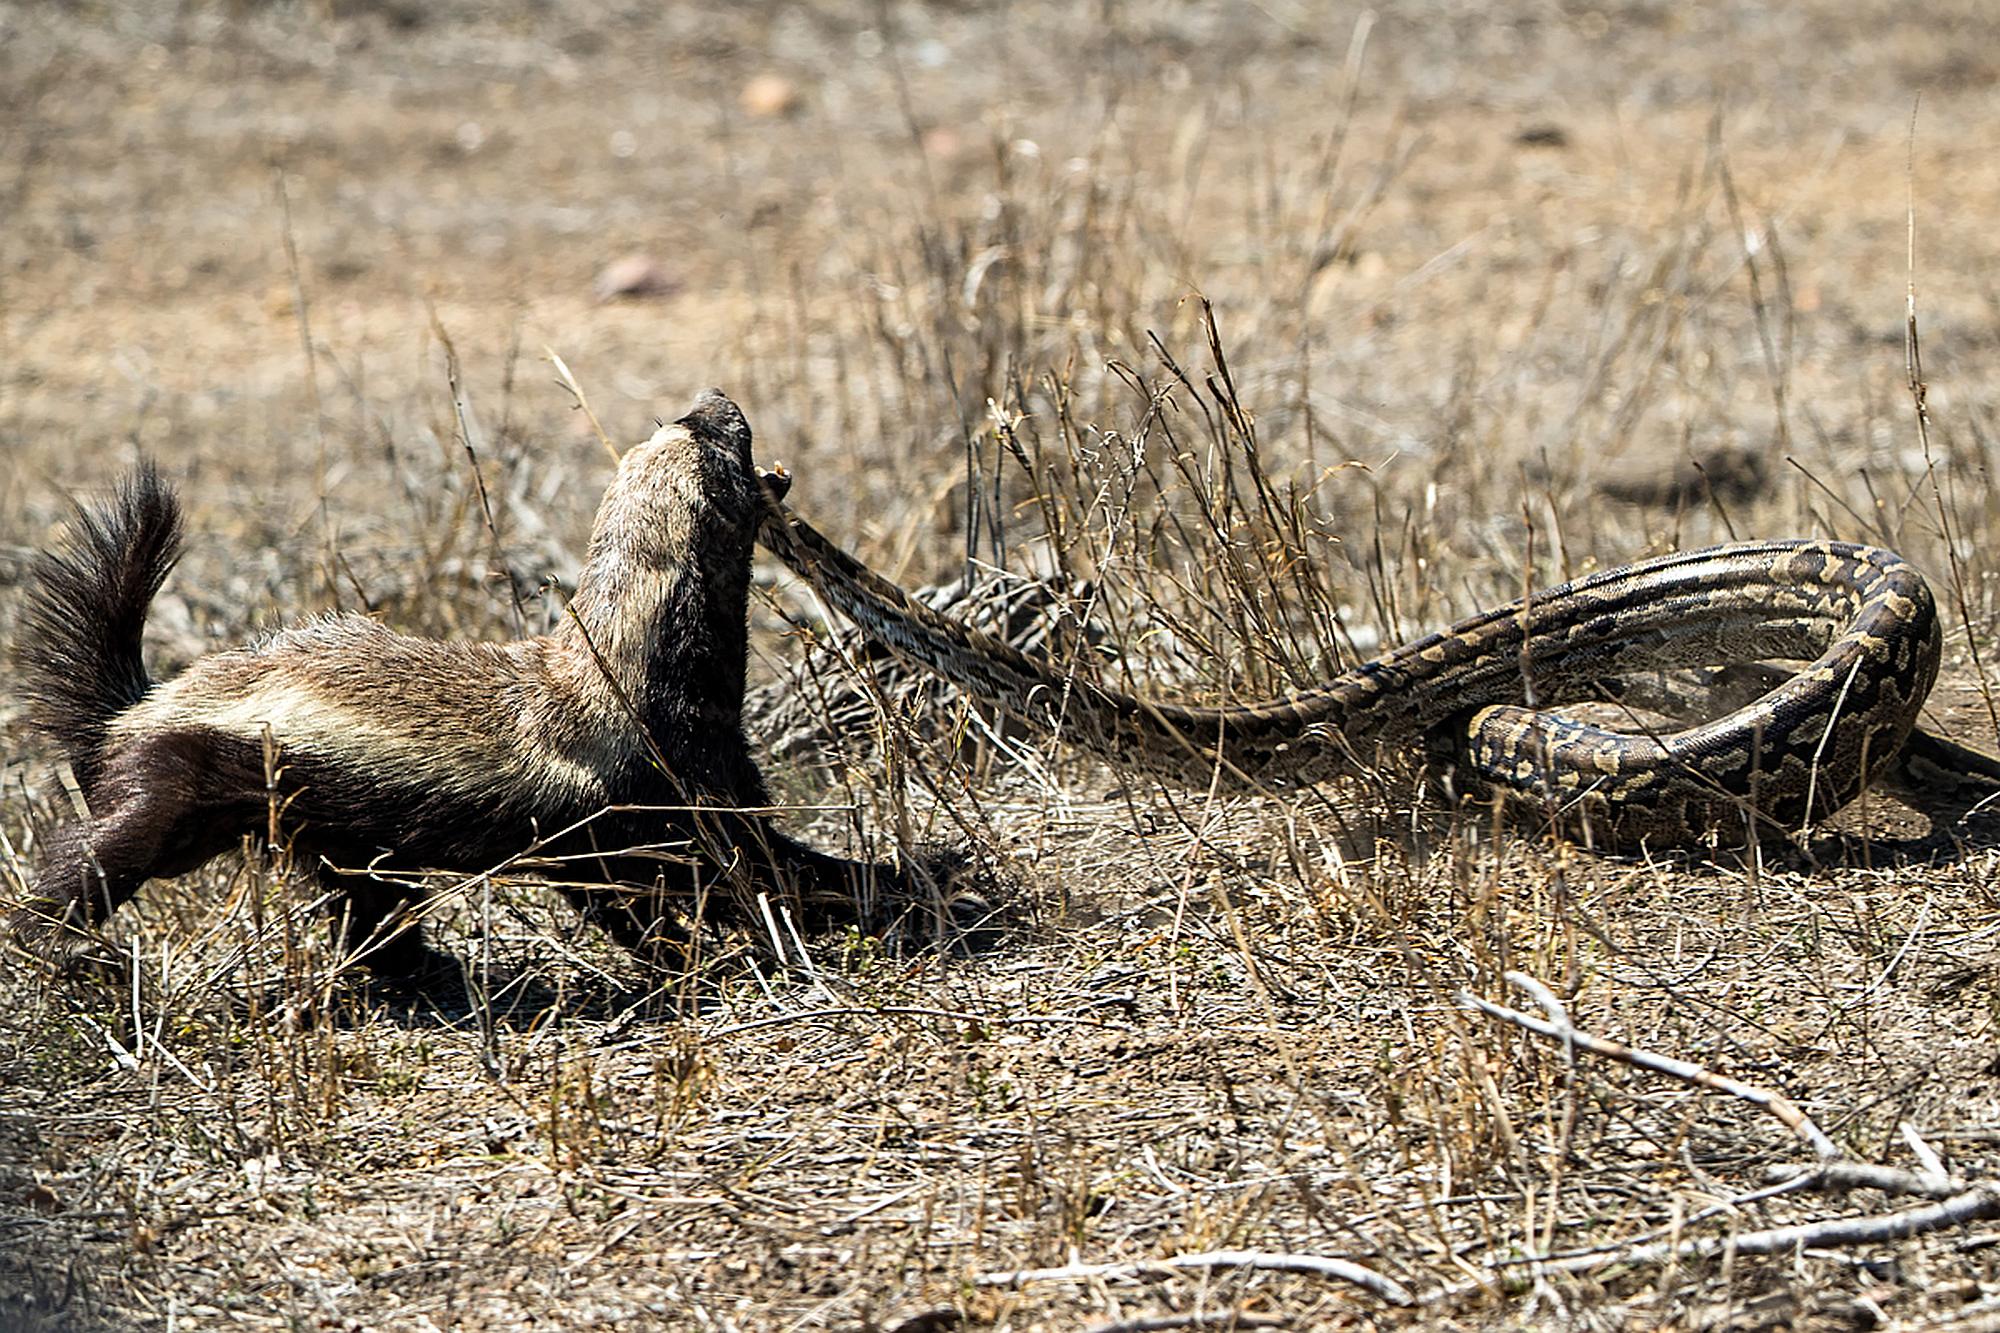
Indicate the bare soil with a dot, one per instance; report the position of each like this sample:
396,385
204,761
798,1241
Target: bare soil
1505,292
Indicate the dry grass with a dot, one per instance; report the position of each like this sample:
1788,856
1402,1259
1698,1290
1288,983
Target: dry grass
1474,272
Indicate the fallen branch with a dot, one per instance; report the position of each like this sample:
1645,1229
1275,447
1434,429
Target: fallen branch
1867,1176
1559,1028
1310,1265
1224,1319
1955,1203
1977,1204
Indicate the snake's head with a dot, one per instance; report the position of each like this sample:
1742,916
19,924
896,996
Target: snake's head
776,481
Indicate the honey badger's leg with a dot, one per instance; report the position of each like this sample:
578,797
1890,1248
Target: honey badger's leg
375,923
820,888
636,916
710,866
155,809
163,805
827,888
645,881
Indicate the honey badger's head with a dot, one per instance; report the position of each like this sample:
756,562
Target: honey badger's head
691,491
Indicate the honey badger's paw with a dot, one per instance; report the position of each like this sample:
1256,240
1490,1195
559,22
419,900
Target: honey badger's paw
951,899
54,943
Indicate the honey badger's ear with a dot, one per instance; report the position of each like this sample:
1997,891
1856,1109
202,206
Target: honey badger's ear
713,417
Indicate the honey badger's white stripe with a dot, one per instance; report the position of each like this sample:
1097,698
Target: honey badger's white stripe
550,717
289,689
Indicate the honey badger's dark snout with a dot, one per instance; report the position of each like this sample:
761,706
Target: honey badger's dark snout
612,747
713,417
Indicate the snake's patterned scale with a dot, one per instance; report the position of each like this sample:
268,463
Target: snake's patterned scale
1454,700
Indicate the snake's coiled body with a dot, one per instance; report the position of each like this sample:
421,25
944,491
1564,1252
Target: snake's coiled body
1862,617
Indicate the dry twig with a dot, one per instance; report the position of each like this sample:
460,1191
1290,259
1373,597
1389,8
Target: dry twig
1558,1028
1309,1265
1955,1204
1224,1319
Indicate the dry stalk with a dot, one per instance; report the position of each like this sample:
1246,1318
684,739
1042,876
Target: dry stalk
1307,1265
1557,1027
1218,1319
1919,390
1955,1203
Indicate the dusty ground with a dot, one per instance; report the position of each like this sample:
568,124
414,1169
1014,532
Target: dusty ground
1488,276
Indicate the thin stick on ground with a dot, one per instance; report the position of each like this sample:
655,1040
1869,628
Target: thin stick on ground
1224,1319
1913,363
1309,1265
1559,1028
1955,1204
1978,1204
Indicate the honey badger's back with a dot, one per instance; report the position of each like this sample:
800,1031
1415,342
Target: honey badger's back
474,719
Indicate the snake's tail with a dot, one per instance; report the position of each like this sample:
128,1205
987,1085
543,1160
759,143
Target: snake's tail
1931,771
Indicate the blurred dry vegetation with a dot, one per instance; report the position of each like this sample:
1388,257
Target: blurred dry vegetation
1502,292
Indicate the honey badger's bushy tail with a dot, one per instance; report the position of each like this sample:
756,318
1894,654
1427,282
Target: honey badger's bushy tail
78,648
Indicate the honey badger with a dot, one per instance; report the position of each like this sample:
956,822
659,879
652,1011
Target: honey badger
612,748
